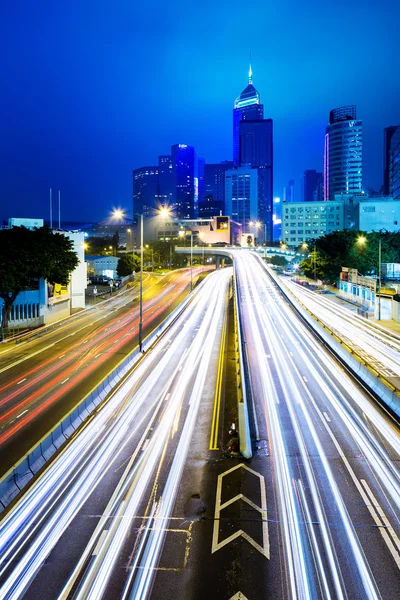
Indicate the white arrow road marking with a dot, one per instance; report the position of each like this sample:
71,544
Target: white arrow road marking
216,545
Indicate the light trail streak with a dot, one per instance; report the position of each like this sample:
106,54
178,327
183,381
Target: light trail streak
364,337
35,400
271,320
33,527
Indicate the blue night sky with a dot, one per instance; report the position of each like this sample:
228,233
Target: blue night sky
92,89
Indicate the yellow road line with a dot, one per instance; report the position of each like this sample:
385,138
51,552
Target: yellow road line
218,390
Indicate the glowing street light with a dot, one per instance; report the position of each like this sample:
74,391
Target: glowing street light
118,214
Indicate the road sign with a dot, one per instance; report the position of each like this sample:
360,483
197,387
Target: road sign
216,544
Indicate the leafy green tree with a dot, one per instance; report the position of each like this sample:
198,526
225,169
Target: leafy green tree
127,264
315,264
279,261
99,246
27,254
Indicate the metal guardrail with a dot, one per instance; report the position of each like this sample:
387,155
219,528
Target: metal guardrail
16,478
388,394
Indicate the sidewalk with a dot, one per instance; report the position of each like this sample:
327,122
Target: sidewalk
389,324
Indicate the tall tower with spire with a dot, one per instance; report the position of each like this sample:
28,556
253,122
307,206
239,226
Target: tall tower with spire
253,163
246,107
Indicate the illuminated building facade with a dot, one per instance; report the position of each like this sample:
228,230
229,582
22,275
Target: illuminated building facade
343,153
145,190
166,191
186,181
253,148
392,162
243,187
212,202
246,107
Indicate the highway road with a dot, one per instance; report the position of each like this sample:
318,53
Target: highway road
377,346
141,504
106,501
41,379
334,502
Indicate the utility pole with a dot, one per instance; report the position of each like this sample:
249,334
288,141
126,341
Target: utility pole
191,261
379,277
315,262
141,287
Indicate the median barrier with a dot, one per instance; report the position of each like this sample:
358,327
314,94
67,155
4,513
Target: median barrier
243,413
20,474
383,389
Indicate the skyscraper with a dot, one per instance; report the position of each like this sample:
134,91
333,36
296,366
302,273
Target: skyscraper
145,190
242,191
256,150
246,107
288,191
253,147
212,203
343,153
391,161
185,175
166,191
311,185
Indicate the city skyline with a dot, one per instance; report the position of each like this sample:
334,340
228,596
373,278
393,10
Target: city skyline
81,116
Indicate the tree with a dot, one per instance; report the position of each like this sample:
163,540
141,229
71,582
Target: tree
127,264
99,246
316,264
279,261
27,254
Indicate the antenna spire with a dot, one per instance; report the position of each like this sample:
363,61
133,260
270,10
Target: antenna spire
250,71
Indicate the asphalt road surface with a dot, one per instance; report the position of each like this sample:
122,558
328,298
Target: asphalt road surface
106,501
41,379
139,506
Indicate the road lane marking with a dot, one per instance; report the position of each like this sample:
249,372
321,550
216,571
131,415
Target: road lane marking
24,379
383,524
216,545
238,596
305,379
99,543
23,412
62,356
218,388
326,417
64,380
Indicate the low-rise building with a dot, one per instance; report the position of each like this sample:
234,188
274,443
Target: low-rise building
216,230
305,221
102,265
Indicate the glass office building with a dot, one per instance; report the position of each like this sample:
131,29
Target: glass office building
246,107
242,190
145,190
186,181
394,164
343,153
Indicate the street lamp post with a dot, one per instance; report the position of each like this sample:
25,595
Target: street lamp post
379,277
191,261
141,287
182,233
